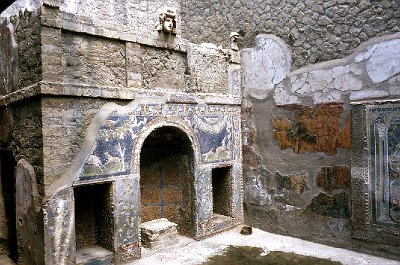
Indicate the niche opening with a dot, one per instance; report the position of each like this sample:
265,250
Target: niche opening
94,222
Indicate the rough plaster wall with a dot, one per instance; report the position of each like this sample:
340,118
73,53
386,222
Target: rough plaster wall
208,68
281,191
297,136
142,16
27,136
93,61
163,69
27,35
315,30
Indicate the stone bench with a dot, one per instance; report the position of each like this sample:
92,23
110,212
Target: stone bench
158,233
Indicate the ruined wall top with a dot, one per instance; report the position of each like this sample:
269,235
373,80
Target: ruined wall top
316,31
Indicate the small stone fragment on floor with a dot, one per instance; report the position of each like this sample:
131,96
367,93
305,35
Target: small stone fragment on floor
246,230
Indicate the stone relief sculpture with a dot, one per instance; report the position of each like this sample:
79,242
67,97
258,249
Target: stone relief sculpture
167,22
234,38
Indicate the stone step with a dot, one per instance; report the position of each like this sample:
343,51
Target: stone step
158,233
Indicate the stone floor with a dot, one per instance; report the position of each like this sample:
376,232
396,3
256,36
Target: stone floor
190,252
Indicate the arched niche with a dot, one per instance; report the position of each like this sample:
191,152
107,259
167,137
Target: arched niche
167,164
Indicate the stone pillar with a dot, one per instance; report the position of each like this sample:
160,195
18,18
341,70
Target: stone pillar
127,219
59,228
237,194
382,184
203,197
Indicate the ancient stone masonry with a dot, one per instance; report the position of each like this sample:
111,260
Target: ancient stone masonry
196,116
114,122
315,31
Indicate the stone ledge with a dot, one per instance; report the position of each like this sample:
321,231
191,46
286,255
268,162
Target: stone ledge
53,17
76,90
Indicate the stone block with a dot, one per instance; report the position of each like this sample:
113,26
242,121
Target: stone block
158,233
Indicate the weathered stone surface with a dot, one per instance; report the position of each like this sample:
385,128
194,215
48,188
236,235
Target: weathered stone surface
5,125
143,16
127,212
208,67
27,36
5,260
133,65
51,39
94,255
324,30
59,229
91,60
29,215
8,59
163,69
337,205
336,177
158,233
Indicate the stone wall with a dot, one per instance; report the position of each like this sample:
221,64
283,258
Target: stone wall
296,170
27,36
100,83
27,138
21,138
315,31
298,138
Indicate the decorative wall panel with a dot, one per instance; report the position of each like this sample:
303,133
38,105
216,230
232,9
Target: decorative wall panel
383,124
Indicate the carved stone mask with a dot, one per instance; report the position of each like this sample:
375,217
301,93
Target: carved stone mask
168,24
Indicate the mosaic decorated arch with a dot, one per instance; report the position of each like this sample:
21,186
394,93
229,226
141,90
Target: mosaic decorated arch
109,169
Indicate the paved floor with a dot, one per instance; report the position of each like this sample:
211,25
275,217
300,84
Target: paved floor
190,252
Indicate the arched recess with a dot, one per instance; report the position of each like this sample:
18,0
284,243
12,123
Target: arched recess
166,167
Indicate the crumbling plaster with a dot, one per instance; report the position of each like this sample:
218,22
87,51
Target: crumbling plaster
297,128
371,72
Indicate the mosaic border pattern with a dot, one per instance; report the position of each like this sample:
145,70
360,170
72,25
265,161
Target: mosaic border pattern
216,127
